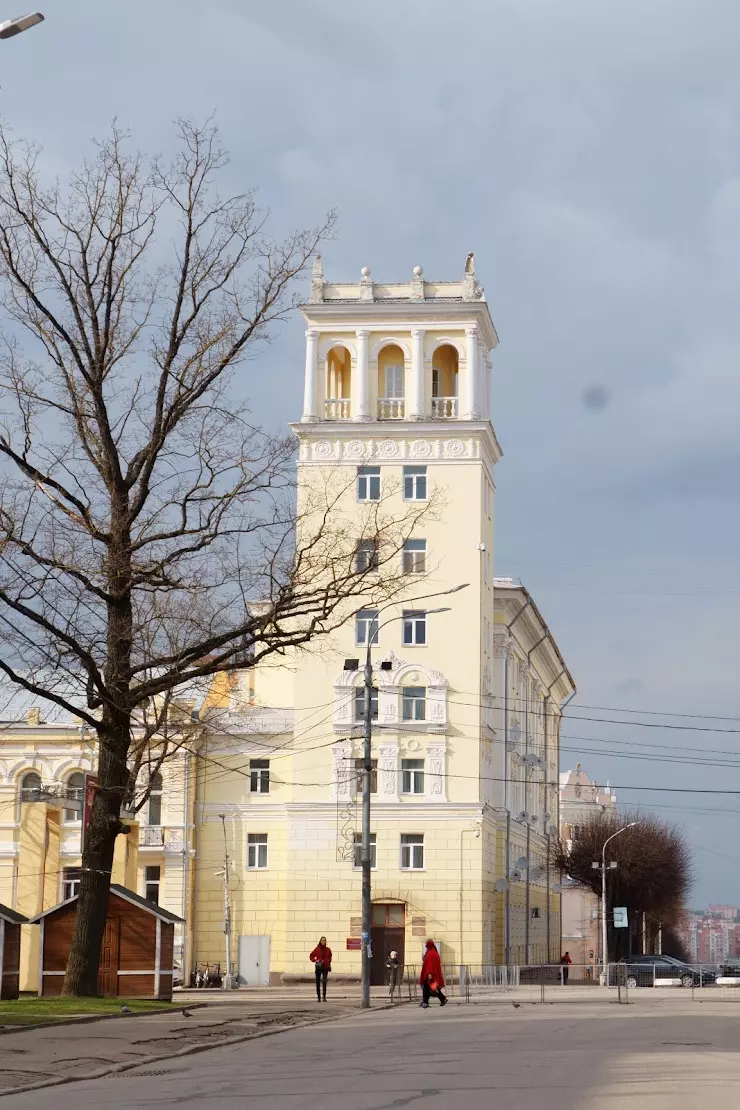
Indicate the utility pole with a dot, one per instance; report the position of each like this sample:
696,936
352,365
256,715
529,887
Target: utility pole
367,771
227,979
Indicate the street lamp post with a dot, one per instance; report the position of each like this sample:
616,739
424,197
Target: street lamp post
367,768
603,894
11,27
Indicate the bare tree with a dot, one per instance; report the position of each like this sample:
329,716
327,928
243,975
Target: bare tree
149,529
653,872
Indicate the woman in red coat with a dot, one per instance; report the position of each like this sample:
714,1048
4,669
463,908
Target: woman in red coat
431,978
321,959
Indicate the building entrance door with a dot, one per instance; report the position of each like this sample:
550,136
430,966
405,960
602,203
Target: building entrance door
388,933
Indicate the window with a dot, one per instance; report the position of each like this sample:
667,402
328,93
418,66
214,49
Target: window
415,557
412,851
366,626
393,382
257,851
30,786
414,703
76,790
368,483
358,850
151,884
360,773
259,776
414,626
366,556
155,800
71,882
415,483
360,703
412,776
435,381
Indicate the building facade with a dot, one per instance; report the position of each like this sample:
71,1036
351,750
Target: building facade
581,800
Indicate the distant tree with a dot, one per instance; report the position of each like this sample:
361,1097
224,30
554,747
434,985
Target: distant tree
652,876
149,528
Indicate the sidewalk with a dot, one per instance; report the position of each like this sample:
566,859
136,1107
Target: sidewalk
84,1051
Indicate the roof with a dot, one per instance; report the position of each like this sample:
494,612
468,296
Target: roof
127,896
12,915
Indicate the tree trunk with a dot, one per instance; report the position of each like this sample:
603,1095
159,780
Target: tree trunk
81,976
114,738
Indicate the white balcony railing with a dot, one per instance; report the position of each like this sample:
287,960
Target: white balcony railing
337,408
390,408
443,408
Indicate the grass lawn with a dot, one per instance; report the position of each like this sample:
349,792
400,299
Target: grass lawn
32,1010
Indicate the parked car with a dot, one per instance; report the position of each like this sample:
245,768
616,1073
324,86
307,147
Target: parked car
642,971
730,969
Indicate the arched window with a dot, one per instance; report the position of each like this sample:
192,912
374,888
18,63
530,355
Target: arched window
338,384
391,383
30,786
76,790
155,800
444,381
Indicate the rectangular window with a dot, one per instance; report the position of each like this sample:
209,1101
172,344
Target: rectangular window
257,851
358,850
393,382
360,703
412,851
152,876
414,626
259,776
415,557
412,776
435,381
71,882
366,626
366,556
415,483
414,703
368,483
360,775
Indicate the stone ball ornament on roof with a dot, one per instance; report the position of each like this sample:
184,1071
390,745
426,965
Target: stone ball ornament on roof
418,271
365,272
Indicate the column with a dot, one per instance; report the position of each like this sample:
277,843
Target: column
470,395
361,379
310,391
417,407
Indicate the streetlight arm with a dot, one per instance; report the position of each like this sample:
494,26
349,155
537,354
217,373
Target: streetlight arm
11,27
603,893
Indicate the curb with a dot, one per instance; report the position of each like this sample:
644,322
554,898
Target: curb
87,1019
188,1050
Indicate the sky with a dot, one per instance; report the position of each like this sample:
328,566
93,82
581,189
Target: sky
590,155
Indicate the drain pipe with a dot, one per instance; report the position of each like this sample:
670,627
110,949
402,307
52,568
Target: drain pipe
507,798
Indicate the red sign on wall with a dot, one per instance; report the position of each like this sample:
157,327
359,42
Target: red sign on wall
354,944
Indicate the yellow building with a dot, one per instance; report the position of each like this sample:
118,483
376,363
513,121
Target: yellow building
44,756
396,407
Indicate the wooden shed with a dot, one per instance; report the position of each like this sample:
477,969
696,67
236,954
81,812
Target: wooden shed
136,953
10,951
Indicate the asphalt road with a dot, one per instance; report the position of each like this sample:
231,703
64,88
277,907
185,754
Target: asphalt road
561,1057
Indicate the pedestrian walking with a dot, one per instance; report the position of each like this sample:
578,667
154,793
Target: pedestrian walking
321,959
565,962
431,979
393,972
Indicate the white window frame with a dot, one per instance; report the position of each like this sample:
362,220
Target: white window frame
414,557
360,776
367,556
412,851
155,798
412,776
259,776
71,878
366,624
257,859
359,703
413,699
357,860
414,480
74,816
415,627
368,483
393,382
152,882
